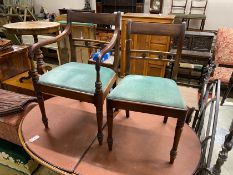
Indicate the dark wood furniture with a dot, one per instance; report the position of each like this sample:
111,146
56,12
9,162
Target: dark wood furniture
197,50
141,137
151,42
64,11
223,154
13,62
110,6
141,93
75,80
34,28
156,6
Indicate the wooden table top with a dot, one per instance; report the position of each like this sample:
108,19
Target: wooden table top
32,27
142,143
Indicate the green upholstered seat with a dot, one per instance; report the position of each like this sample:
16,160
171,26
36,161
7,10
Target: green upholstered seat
76,76
149,90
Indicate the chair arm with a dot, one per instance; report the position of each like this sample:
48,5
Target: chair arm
57,38
108,47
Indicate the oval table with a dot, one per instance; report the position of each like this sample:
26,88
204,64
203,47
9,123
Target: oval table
70,146
34,28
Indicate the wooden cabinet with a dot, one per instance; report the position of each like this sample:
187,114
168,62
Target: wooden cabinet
110,6
160,43
13,62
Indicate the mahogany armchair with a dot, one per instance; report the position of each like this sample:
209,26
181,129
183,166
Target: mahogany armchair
224,59
147,94
85,82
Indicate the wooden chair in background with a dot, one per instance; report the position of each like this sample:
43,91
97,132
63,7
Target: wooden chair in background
197,12
178,6
224,59
84,82
154,95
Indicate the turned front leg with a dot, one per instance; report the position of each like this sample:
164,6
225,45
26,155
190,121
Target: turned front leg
110,126
179,128
39,57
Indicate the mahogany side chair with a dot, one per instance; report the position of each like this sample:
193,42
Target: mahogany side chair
85,82
223,58
147,94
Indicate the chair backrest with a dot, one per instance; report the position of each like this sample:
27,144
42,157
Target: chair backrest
171,30
94,19
206,125
198,6
178,6
224,47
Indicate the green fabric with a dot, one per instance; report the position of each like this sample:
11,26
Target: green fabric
78,23
196,16
149,90
15,157
179,15
76,76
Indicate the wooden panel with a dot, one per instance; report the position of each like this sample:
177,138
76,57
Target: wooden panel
159,39
144,42
14,62
160,47
155,68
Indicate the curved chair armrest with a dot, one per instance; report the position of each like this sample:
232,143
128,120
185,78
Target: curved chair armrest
57,38
108,47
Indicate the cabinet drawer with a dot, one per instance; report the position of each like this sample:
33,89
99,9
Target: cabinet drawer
158,47
159,39
156,68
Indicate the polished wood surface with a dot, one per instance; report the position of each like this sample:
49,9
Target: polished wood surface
13,62
32,27
162,43
70,145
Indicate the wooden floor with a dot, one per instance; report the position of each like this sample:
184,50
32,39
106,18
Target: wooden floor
141,143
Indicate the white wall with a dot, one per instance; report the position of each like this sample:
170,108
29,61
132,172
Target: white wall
219,12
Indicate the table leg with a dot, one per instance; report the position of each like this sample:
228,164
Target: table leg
39,57
179,129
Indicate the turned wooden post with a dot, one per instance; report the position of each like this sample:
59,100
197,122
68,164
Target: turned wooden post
223,154
99,101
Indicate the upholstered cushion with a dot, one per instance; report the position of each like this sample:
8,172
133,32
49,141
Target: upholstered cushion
76,76
222,73
15,157
149,90
224,46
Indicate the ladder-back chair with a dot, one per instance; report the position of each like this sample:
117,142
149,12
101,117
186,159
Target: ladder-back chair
147,94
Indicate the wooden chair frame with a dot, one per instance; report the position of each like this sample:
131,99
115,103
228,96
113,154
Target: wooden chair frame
100,94
198,7
177,30
182,7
